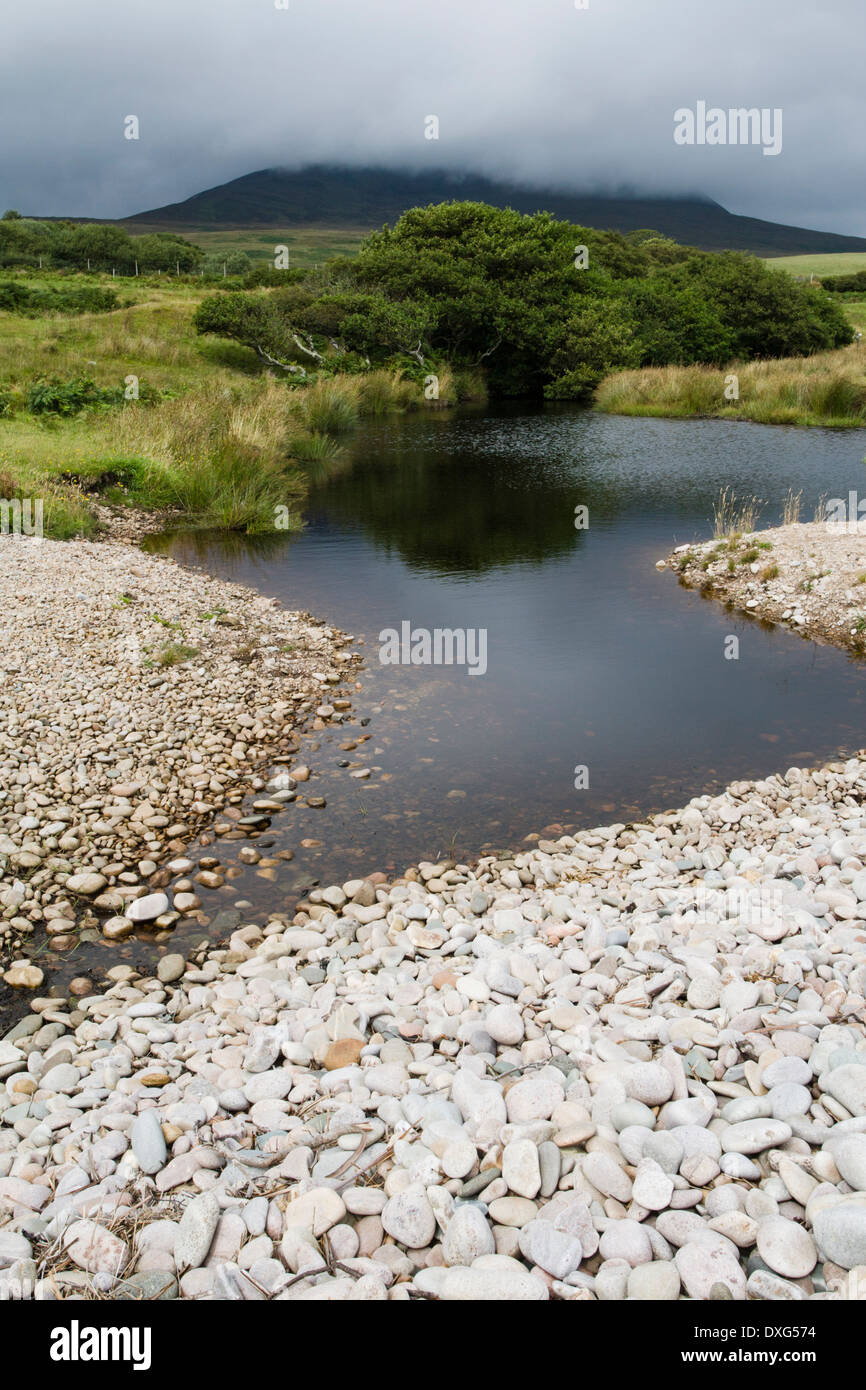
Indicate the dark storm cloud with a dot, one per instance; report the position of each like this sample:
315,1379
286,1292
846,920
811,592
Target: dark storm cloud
532,89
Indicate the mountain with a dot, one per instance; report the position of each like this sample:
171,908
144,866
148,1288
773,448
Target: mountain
334,196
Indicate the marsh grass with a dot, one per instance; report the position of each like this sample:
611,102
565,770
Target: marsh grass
329,406
221,457
827,389
791,508
219,440
735,516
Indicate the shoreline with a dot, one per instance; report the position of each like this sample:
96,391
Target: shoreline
136,652
629,1063
805,576
625,1063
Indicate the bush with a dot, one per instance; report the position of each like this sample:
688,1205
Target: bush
55,397
28,300
845,284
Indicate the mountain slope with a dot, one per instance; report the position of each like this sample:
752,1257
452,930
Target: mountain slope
328,195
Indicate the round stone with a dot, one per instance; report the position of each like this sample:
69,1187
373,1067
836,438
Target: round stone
649,1082
626,1240
840,1232
702,1266
607,1176
520,1167
789,1098
754,1136
458,1158
787,1248
147,908
504,1024
787,1069
849,1155
653,1187
409,1218
657,1281
467,1236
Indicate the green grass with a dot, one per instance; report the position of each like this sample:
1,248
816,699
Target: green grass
307,245
836,263
172,654
213,436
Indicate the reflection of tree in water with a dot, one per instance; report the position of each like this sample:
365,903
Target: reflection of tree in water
456,512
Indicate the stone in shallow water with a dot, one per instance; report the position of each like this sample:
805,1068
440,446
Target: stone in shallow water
145,909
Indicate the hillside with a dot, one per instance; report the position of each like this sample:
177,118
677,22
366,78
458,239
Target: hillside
331,196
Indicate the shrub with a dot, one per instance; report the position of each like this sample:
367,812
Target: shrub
54,397
28,300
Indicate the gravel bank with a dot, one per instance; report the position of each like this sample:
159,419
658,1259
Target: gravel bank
808,576
137,698
627,1064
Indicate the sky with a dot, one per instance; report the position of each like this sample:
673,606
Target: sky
539,91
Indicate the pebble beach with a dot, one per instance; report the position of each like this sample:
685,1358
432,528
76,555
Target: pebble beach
627,1064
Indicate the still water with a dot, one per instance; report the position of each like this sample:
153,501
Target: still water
594,658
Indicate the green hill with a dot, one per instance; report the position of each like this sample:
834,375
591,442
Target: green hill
332,196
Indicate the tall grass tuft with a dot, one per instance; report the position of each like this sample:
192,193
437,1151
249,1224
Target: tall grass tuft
330,406
220,457
734,516
314,448
791,508
381,392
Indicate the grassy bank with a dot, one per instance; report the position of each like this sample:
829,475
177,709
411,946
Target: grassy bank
212,433
827,389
